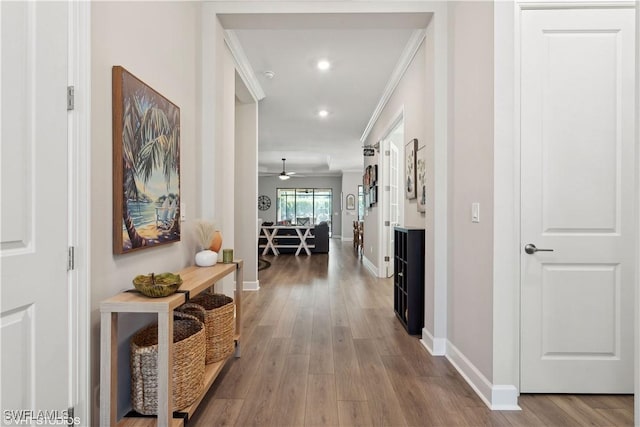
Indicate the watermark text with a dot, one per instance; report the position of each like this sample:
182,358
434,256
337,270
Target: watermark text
18,417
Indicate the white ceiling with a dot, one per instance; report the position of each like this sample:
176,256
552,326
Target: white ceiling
363,50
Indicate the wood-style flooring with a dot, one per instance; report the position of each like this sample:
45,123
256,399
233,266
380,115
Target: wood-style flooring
321,347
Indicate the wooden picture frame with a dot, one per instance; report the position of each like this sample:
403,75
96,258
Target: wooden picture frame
410,169
351,202
146,165
421,182
373,198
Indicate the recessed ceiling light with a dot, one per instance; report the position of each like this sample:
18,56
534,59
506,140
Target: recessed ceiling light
324,65
323,113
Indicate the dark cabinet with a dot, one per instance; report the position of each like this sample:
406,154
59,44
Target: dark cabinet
408,278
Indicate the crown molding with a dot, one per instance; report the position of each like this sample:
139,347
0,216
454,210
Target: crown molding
243,66
410,50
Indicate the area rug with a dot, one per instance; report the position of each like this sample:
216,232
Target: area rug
263,264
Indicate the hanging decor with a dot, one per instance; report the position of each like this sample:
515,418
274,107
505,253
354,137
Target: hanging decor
421,170
410,168
146,165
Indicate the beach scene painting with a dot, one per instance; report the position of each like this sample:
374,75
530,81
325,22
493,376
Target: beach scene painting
146,165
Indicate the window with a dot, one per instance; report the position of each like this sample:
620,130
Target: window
303,206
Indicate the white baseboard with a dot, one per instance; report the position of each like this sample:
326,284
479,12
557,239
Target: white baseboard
251,286
504,398
435,346
369,265
347,239
496,397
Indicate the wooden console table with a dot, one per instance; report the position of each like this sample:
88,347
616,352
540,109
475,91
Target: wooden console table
195,280
302,234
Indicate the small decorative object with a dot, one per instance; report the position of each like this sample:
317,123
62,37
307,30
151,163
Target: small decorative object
410,169
351,202
264,202
216,242
157,285
205,232
227,256
146,159
421,169
206,258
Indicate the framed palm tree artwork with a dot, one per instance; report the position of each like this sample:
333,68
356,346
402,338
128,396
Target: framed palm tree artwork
146,165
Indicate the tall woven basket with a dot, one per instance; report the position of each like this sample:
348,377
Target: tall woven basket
189,350
218,325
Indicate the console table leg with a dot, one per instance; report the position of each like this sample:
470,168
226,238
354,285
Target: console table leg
108,368
165,360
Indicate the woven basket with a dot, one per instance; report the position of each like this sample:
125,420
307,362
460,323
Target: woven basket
189,350
218,323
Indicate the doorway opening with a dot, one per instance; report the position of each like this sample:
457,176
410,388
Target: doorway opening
391,146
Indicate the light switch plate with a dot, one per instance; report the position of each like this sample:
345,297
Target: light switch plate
475,212
183,212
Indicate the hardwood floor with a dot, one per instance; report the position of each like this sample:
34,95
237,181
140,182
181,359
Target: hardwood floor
321,347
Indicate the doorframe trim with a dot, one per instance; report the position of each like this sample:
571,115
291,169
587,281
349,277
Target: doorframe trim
79,125
506,238
637,178
396,119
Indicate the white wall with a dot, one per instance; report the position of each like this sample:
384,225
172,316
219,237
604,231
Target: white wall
267,185
350,182
246,229
158,44
409,97
470,305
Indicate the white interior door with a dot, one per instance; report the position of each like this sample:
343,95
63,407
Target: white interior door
578,198
34,332
394,206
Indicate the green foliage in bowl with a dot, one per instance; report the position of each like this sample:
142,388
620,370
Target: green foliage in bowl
157,285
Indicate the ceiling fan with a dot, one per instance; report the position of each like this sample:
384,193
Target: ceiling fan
284,175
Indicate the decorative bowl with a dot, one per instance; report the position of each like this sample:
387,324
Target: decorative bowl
157,285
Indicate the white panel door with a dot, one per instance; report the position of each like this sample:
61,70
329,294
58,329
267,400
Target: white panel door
34,311
578,198
394,200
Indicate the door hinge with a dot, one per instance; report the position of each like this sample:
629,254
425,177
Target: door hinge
71,421
386,259
70,98
71,258
387,153
70,418
387,223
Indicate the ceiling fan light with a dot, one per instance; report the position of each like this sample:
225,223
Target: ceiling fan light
284,177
